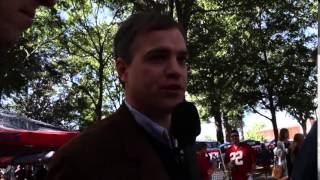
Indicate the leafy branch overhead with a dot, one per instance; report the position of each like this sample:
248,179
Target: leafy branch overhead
244,56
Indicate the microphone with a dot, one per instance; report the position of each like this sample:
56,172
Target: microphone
185,127
185,123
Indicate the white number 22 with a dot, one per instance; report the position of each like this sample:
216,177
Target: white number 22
237,157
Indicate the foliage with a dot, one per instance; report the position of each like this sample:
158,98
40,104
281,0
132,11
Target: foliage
79,48
273,51
244,55
252,132
90,64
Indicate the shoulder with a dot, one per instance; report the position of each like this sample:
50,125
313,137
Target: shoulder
230,149
102,132
98,147
101,138
245,146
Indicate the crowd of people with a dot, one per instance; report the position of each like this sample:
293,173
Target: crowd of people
24,172
286,153
240,159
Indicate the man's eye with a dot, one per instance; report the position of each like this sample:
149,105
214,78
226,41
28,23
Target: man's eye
182,60
157,58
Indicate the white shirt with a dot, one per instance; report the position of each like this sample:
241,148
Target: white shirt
153,128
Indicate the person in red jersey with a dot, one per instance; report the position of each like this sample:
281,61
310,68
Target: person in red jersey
240,158
203,161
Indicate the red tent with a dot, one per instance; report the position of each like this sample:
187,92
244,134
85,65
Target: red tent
22,137
50,139
18,143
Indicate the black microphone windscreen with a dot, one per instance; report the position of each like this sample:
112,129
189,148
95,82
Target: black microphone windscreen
185,125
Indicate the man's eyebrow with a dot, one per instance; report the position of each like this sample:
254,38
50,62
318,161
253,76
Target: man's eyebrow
158,50
166,50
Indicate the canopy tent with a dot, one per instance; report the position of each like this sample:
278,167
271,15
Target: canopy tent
48,139
11,120
24,138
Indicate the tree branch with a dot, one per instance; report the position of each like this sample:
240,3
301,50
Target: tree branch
255,111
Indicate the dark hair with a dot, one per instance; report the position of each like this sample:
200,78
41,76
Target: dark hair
137,24
202,145
282,133
297,137
234,132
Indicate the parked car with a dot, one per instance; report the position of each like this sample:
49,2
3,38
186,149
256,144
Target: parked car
270,145
255,145
264,157
224,147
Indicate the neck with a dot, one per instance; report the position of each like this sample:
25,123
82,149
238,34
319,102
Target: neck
163,118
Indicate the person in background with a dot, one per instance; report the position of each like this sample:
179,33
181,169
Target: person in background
296,146
20,172
283,146
41,173
240,158
265,156
15,17
305,165
280,160
282,153
204,163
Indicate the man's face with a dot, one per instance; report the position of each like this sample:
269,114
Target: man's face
156,78
15,17
235,138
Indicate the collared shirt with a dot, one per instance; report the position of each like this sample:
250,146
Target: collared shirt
154,129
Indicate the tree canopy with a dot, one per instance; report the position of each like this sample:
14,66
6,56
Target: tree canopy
244,56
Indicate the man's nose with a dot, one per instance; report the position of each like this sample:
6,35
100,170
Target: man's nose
173,68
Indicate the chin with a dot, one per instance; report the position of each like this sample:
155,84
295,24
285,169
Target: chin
170,105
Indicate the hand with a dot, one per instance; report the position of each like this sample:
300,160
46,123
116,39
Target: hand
250,177
253,167
232,164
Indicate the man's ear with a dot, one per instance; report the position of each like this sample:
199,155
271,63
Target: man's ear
122,67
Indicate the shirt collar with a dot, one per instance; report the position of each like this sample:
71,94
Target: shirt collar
153,128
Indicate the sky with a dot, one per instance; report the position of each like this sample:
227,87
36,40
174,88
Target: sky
208,131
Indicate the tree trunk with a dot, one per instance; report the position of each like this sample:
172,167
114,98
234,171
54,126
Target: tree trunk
218,122
273,116
183,9
101,79
304,127
171,7
274,124
227,128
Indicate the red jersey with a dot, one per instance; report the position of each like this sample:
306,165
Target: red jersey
243,157
204,165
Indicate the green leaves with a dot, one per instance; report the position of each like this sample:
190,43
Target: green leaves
243,55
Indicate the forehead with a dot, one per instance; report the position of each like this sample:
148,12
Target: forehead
169,38
234,134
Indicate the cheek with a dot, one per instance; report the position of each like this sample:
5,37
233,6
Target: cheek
186,75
